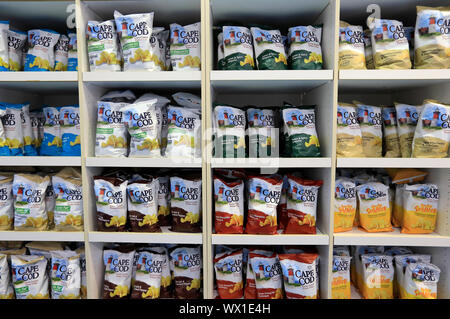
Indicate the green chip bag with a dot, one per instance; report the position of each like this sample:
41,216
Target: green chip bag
269,49
305,52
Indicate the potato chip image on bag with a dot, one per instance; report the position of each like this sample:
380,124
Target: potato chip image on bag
351,47
420,208
118,269
187,264
166,288
421,281
378,273
229,206
269,49
16,42
370,119
305,51
228,270
111,202
147,281
103,46
431,41
302,198
390,47
407,117
6,287
340,282
29,202
374,211
348,136
268,276
264,194
401,263
41,55
229,131
65,275
390,132
345,204
432,135
29,276
6,203
300,275
185,49
238,48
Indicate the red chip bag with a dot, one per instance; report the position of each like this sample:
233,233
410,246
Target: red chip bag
228,267
250,285
268,276
282,206
302,198
264,197
229,206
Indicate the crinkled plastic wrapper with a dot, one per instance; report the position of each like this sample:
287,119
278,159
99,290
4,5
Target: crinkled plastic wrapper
349,142
351,47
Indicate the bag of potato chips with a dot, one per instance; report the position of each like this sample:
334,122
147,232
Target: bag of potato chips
52,142
432,135
262,134
351,47
268,276
431,40
186,203
187,264
103,46
421,280
70,130
407,116
83,285
229,131
264,195
72,56
147,283
4,147
111,202
29,148
41,55
29,276
62,53
118,269
250,284
420,208
65,275
6,288
143,205
237,48
12,124
349,142
305,51
397,213
374,212
356,270
4,52
166,288
229,206
378,276
390,134
340,282
300,275
134,32
269,49
401,263
185,47
390,47
6,203
16,42
344,204
228,269
370,119
220,54
368,49
29,202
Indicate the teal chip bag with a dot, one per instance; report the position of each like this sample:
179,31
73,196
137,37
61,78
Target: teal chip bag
51,143
4,148
269,49
305,51
70,130
12,124
299,129
29,148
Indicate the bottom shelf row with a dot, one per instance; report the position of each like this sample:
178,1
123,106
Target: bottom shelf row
43,270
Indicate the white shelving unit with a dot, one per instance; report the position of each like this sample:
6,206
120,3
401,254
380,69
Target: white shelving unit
323,88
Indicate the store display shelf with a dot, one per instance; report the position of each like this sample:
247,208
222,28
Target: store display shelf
279,239
39,82
270,162
170,79
386,80
269,81
393,162
42,236
40,161
142,162
165,237
394,238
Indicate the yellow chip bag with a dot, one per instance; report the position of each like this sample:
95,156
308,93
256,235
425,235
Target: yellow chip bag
420,208
432,135
421,281
369,117
344,204
397,214
374,212
340,284
401,263
390,133
378,276
349,141
351,47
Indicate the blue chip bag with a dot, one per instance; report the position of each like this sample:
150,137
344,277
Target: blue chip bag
70,130
73,58
4,149
12,124
41,55
29,148
51,143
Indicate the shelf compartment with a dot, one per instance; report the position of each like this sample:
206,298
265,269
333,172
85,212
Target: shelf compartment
42,236
395,238
369,162
40,161
279,239
165,237
270,162
141,162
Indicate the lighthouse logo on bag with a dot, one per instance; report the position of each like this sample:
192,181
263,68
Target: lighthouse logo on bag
435,118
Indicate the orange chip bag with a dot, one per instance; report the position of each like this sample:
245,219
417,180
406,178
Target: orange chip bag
340,283
250,285
300,275
378,276
229,206
406,175
302,198
344,204
420,208
268,278
228,266
264,196
374,211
